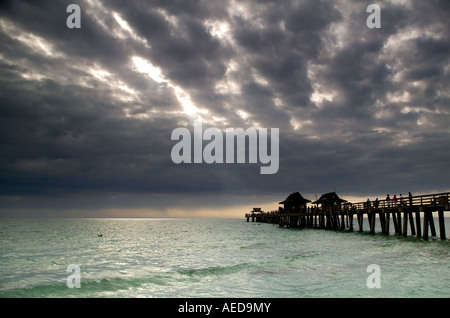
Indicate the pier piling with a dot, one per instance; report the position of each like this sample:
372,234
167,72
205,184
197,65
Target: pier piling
411,222
441,225
386,229
419,230
405,224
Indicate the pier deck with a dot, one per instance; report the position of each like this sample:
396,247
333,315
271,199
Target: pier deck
415,213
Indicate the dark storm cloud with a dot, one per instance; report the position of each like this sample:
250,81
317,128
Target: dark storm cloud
85,111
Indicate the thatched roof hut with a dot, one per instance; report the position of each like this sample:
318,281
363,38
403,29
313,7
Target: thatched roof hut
330,199
295,202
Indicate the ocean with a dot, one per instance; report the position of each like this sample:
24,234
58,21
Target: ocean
218,258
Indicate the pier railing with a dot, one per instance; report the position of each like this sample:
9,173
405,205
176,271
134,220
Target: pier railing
413,201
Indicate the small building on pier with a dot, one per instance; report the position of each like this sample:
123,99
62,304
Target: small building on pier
330,201
294,203
255,214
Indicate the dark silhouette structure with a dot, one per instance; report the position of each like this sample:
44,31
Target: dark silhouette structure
295,203
330,201
332,212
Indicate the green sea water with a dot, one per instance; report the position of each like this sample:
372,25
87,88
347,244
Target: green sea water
213,258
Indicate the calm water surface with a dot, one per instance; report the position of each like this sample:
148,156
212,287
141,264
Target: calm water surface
212,258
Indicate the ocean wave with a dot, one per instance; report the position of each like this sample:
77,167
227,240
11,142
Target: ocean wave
217,270
88,288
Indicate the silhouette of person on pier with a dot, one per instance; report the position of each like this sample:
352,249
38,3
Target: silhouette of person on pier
388,200
410,198
394,199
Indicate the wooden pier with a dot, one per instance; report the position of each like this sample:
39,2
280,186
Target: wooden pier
413,212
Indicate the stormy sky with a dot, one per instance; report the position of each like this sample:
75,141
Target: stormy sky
86,114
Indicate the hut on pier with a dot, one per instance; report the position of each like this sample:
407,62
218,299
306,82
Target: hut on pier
256,212
294,203
330,201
